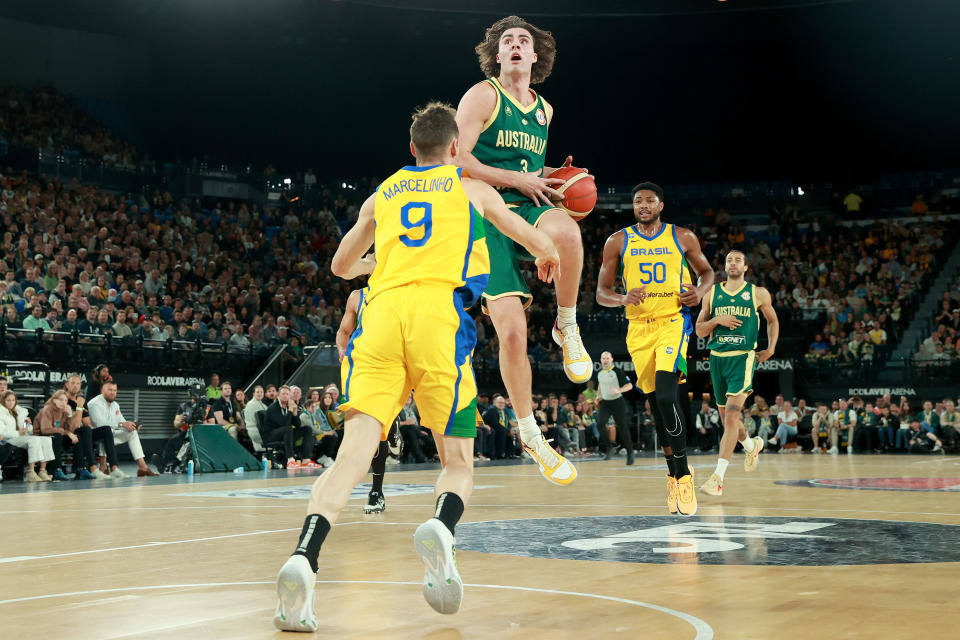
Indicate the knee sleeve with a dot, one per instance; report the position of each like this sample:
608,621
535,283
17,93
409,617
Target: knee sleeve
666,384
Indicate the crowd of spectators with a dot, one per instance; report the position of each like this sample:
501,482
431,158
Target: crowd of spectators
75,257
89,430
847,290
44,119
942,346
853,425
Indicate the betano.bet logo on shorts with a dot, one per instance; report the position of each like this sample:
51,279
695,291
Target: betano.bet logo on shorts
731,540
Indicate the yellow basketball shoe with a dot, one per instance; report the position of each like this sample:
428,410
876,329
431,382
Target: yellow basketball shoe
553,466
750,459
576,361
672,495
713,486
687,495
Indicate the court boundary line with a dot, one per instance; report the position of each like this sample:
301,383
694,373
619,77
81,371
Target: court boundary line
165,543
703,630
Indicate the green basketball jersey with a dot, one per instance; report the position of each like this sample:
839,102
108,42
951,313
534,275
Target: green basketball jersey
514,138
741,304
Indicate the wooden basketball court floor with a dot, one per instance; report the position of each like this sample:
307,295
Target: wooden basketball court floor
868,550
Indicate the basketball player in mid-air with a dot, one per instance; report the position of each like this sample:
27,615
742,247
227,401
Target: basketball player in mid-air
503,138
730,317
392,443
655,258
412,332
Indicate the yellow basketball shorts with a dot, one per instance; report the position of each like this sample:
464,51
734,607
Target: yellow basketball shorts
658,345
416,338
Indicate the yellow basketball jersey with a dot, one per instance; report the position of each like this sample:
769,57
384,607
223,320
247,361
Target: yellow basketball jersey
658,264
428,234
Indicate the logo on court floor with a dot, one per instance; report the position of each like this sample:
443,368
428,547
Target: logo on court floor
879,484
302,492
734,540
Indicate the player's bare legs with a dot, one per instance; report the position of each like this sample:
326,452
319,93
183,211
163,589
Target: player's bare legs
456,459
733,432
332,490
510,322
565,233
296,579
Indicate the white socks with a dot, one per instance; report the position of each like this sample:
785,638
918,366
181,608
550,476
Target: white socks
566,316
748,444
528,428
721,467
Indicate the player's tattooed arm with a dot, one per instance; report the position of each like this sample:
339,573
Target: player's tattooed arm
606,280
347,261
691,296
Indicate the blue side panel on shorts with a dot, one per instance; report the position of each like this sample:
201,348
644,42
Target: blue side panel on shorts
465,341
473,286
349,354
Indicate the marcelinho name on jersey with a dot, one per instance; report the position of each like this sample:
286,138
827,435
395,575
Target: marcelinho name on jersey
745,312
534,144
655,251
419,184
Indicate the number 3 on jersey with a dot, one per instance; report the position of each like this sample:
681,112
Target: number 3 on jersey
424,222
653,272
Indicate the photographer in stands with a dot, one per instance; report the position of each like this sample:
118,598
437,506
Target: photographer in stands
281,423
105,412
188,413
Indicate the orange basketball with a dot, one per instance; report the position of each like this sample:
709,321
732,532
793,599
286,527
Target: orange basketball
579,191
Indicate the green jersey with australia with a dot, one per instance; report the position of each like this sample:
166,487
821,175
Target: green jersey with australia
742,304
514,137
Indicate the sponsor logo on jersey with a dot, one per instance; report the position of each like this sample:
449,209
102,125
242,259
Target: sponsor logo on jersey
541,117
731,339
508,111
745,295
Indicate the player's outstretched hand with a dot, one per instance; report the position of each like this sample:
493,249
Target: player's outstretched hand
729,321
539,190
548,268
763,356
689,296
635,295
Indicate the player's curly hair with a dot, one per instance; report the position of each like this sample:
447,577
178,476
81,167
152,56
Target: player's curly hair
434,126
544,45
